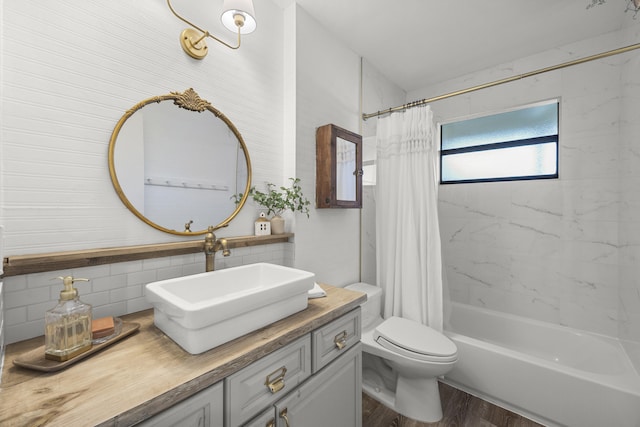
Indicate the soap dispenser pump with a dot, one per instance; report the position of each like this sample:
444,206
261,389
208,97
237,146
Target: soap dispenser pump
68,324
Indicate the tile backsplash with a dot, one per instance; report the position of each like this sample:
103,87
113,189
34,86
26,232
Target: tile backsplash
113,289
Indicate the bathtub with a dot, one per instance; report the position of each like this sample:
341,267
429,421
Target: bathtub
552,374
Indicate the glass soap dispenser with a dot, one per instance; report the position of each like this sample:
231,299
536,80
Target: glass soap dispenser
68,324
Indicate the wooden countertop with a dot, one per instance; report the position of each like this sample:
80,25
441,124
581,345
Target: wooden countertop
145,373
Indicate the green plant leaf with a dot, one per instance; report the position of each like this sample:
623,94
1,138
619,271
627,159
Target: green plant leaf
279,199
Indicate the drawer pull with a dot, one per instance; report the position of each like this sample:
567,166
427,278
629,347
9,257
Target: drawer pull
271,423
283,415
340,340
276,384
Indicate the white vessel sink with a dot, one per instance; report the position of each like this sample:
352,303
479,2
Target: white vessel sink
203,311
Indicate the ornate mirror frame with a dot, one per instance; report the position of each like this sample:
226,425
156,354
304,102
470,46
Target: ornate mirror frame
188,100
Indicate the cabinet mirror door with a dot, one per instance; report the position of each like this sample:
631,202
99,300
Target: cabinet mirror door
346,170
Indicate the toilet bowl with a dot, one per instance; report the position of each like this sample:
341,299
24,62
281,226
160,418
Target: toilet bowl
412,354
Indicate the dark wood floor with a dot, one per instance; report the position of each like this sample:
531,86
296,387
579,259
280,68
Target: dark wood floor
459,408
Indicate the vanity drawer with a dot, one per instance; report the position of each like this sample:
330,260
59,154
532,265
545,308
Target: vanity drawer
335,338
203,409
252,389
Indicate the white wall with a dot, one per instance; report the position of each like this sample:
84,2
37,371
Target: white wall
71,69
565,250
338,244
69,72
66,85
328,85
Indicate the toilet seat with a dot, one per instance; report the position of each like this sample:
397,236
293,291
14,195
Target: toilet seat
414,340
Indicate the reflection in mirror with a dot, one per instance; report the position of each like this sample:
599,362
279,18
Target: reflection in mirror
345,170
177,162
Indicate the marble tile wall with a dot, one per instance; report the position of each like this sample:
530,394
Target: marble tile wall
562,250
629,216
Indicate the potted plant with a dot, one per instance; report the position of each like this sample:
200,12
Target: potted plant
279,199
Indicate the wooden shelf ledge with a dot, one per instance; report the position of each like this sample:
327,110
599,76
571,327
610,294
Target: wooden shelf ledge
38,263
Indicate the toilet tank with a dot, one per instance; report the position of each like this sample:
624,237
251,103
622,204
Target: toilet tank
372,307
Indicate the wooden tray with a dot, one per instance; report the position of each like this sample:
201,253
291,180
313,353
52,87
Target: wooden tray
35,359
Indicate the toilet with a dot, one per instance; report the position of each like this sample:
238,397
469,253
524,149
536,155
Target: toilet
402,360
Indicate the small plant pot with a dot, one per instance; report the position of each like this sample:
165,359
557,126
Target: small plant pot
277,225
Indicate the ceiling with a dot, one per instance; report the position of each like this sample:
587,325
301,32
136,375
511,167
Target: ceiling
416,43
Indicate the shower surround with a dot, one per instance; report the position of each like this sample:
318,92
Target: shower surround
565,250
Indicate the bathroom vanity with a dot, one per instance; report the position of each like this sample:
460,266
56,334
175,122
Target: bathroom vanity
301,370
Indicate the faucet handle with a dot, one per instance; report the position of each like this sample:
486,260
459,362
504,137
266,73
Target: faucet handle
209,236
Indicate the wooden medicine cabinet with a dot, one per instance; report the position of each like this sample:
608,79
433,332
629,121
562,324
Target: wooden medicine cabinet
338,168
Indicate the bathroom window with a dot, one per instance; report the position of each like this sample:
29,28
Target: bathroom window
513,145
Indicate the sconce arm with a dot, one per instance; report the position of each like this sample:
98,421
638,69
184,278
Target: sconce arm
225,43
205,33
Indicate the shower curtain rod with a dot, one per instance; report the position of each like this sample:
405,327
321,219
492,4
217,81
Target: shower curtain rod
501,81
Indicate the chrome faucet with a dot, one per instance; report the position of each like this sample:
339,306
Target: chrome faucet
211,246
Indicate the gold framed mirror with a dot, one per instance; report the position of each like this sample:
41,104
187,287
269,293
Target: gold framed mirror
177,163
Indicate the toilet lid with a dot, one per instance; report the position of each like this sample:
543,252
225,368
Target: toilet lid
414,339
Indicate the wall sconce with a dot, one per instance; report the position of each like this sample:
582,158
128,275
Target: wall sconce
238,16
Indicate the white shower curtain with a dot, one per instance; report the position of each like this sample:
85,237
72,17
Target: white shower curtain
408,250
